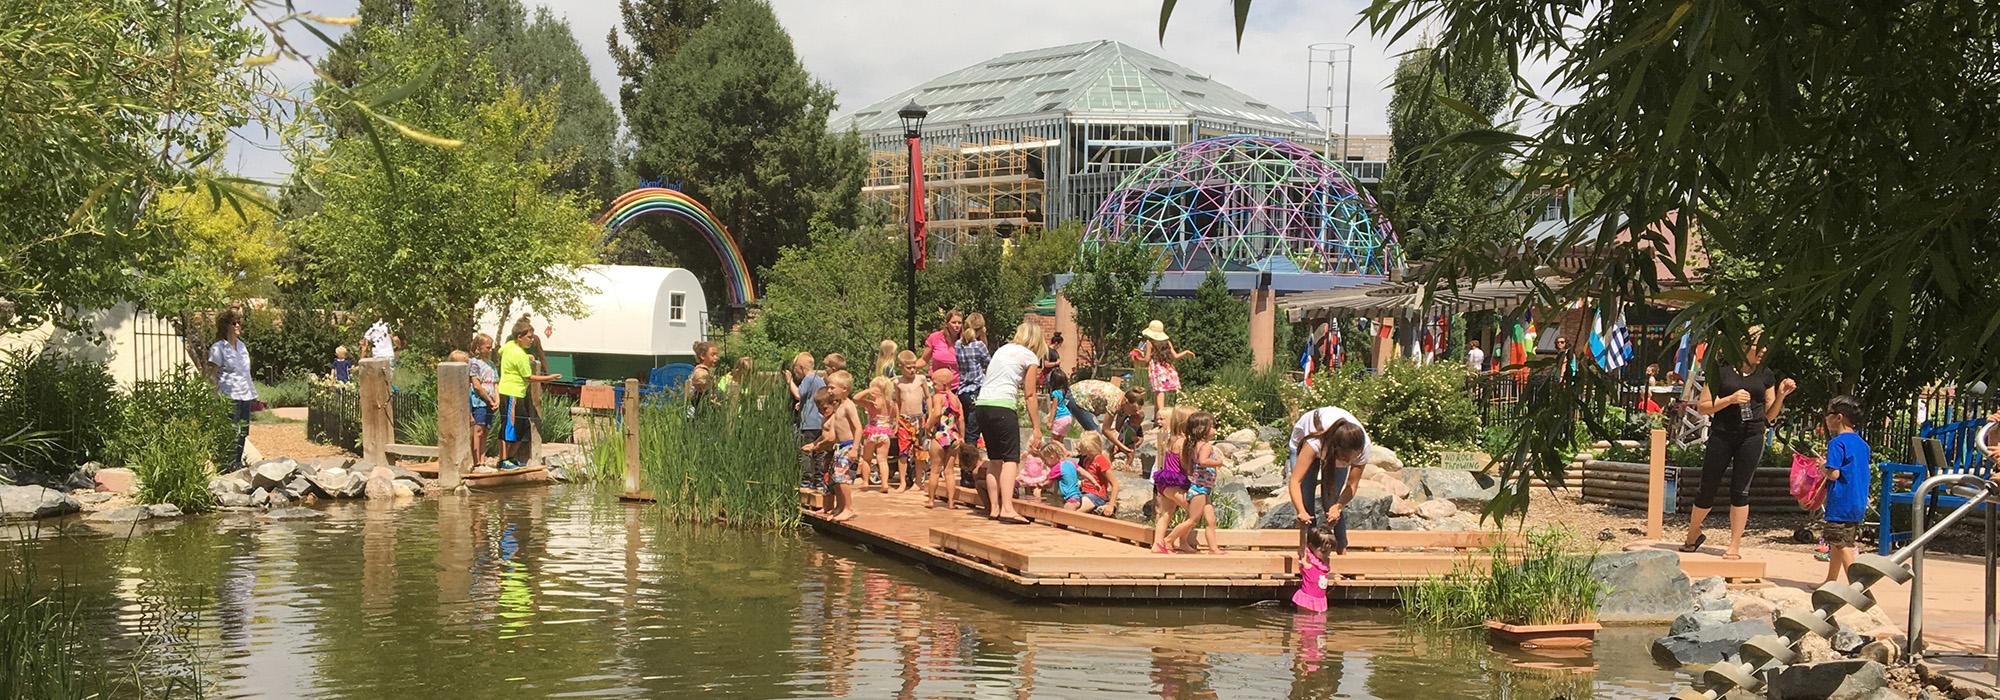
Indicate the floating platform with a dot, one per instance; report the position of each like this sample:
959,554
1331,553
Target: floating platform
533,474
1070,556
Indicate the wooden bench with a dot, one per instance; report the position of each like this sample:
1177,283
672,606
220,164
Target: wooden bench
1946,448
1276,540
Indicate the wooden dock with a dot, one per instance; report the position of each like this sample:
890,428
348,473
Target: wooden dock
1070,556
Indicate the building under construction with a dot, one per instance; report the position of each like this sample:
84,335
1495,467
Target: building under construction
1038,137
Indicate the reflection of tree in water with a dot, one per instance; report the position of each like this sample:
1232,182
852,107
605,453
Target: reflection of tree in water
1474,667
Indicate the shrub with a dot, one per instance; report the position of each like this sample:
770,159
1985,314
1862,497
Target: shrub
288,343
72,402
175,465
1263,393
557,423
183,404
1231,412
1416,410
287,393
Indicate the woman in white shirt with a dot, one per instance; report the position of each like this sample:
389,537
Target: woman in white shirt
1011,376
1329,448
229,368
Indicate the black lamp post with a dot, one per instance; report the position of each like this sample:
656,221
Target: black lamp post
912,115
1005,229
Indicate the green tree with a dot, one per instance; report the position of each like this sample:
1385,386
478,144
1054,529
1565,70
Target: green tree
108,103
1440,194
1215,325
657,29
997,280
1109,292
1844,152
836,294
444,231
222,255
734,116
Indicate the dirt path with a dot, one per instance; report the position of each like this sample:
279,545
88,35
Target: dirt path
288,440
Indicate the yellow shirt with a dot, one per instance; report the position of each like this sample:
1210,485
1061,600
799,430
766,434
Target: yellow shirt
515,366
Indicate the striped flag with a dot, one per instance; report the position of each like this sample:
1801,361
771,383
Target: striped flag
1334,351
1684,358
1619,344
1598,351
1306,360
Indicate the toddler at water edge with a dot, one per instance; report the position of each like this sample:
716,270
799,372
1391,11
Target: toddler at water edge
910,391
843,425
1060,417
1038,469
1087,484
819,463
1312,577
1847,475
1199,462
942,418
1124,428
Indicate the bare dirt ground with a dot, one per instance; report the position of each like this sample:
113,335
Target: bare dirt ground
1769,528
288,439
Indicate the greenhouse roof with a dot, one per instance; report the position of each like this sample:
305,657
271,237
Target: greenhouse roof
1103,78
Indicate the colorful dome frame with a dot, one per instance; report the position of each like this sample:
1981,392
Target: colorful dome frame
1249,203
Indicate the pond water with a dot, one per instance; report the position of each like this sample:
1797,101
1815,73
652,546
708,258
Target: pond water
566,593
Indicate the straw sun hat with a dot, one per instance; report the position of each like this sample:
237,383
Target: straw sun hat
1155,331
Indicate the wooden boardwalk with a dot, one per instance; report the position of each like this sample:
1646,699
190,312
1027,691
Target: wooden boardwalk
1069,556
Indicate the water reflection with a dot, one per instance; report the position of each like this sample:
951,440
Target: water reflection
567,593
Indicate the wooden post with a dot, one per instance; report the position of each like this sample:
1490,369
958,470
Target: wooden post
454,426
631,413
378,420
1384,348
1656,486
1066,325
534,426
1263,314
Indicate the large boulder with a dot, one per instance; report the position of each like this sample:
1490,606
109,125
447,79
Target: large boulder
1242,437
295,513
234,482
1383,457
31,502
1098,396
1135,496
234,500
1437,509
335,482
1280,517
1845,679
1643,586
1699,620
127,514
118,480
1388,481
1707,645
271,474
163,510
1461,487
1399,507
1370,508
1271,434
1233,497
1768,603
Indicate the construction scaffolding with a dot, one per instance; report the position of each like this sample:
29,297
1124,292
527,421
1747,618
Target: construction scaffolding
969,189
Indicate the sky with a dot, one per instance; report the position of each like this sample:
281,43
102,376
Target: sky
870,49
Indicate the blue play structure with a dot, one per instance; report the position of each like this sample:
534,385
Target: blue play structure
659,381
1940,448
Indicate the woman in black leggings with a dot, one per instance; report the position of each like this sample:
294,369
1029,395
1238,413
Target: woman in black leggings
1741,402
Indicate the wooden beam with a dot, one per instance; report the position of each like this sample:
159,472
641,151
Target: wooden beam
535,426
1656,486
631,414
454,422
1137,564
1263,317
378,420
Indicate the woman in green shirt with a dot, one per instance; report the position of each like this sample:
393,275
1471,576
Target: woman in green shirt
517,413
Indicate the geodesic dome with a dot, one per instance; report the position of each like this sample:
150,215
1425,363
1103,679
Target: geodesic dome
1248,203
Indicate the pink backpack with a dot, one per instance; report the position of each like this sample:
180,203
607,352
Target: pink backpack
1808,482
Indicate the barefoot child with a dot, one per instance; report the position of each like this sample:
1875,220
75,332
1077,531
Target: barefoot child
1847,472
910,390
941,420
1060,417
1199,460
1095,477
1159,355
972,469
877,401
1124,428
819,471
1039,468
1312,577
484,378
1170,483
843,425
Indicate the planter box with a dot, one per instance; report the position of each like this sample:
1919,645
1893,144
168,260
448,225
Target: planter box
1574,636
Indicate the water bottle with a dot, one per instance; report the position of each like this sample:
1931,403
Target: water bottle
1748,408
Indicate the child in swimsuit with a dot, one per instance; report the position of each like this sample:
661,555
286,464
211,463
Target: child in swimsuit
875,437
1169,482
943,413
1199,461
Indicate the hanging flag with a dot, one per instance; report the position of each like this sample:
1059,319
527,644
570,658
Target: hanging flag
917,202
1618,346
1306,360
1334,351
1684,357
1596,340
1517,347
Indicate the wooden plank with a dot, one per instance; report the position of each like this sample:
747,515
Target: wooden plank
403,449
1135,565
1116,529
524,475
638,497
454,422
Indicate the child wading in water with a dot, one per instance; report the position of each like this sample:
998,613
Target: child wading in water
843,425
942,418
910,390
1847,464
1199,461
880,404
1312,576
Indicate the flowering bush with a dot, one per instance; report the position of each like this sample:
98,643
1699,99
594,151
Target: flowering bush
1231,412
1415,410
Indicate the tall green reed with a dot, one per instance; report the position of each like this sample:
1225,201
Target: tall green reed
50,651
731,461
1542,581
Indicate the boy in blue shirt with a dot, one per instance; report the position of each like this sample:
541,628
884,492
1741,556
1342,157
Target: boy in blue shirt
1847,476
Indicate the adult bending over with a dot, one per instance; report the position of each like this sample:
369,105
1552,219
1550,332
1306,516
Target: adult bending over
1741,402
1328,449
1011,380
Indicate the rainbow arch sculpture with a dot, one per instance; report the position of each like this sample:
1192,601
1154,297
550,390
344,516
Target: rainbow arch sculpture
677,204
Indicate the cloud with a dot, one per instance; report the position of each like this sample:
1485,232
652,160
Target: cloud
870,49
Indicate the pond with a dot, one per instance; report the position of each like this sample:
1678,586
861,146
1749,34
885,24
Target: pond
567,593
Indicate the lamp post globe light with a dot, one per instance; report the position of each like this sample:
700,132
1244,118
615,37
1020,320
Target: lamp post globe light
913,115
1005,229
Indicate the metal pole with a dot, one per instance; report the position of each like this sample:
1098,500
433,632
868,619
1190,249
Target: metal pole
1347,107
910,263
1992,573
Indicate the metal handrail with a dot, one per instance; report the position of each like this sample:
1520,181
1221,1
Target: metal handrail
1776,651
1979,492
